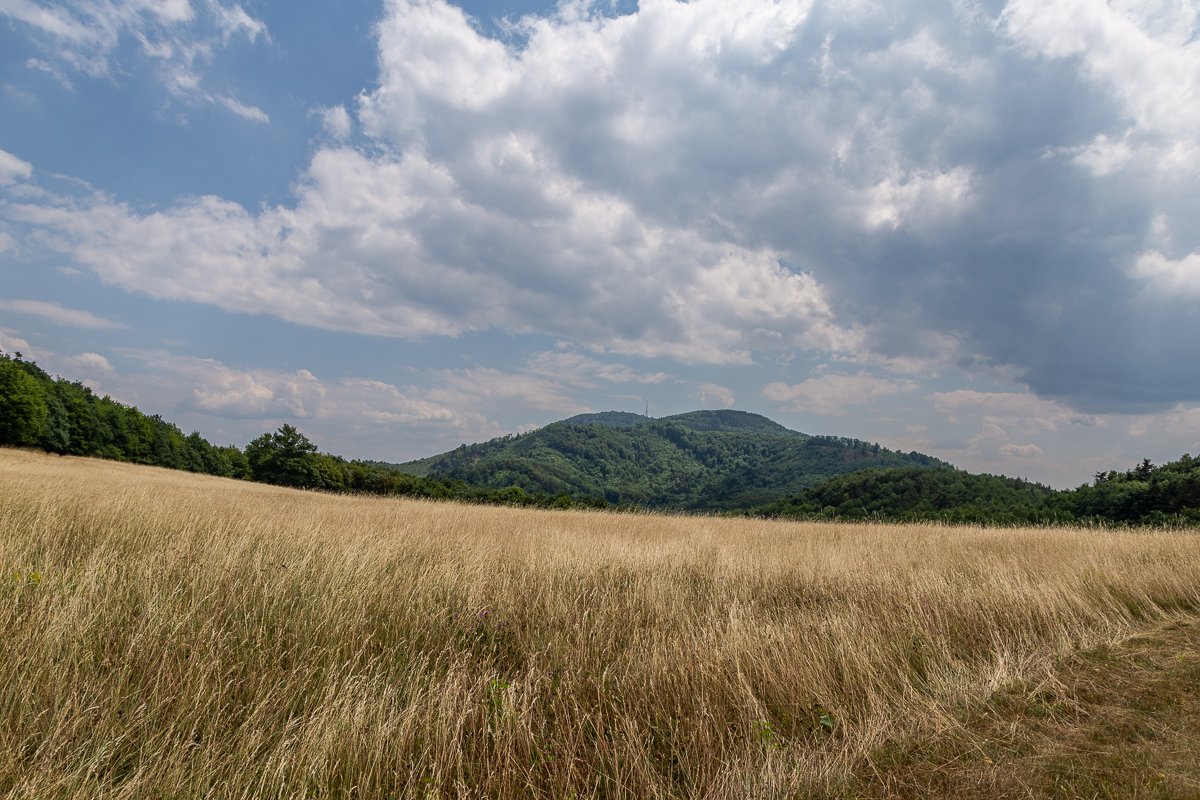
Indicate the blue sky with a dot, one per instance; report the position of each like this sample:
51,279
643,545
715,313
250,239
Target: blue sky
967,228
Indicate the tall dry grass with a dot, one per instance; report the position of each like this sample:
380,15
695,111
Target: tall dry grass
167,635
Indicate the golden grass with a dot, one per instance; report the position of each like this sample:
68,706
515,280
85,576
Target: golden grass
169,635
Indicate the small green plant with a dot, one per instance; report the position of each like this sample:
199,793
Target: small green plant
826,723
765,733
29,577
495,696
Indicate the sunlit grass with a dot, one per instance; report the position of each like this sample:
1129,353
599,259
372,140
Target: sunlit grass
188,636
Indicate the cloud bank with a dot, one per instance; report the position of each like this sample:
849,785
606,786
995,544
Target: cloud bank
721,183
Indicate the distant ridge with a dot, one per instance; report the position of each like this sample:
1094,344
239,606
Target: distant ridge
709,460
613,419
729,420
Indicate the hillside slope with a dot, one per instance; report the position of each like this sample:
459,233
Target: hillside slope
699,461
912,493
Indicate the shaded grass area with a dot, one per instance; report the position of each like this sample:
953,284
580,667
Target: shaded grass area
1119,721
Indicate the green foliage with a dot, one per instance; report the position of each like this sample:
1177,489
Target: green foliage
23,409
913,493
70,419
286,458
1144,495
700,461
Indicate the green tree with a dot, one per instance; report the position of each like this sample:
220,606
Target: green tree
23,410
239,467
286,458
57,437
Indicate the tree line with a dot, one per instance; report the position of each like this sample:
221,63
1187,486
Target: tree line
1165,495
66,417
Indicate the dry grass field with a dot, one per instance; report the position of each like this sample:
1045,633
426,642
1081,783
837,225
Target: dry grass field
164,635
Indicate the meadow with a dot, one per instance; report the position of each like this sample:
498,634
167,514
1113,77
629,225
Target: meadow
167,635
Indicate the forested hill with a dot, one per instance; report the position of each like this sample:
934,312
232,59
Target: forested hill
699,461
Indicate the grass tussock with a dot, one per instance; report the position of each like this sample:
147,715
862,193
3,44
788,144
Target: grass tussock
169,635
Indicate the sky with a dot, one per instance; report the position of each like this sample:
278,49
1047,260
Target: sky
969,228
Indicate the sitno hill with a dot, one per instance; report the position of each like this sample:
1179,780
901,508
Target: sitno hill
698,461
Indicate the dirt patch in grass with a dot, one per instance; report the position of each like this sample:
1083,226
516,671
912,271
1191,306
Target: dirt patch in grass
1121,721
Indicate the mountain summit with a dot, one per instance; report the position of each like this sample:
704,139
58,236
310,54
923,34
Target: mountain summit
699,461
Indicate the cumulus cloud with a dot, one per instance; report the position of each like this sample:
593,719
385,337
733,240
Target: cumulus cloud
833,395
1145,54
715,182
10,342
177,37
1021,450
715,395
391,248
484,387
335,121
88,365
208,386
1170,277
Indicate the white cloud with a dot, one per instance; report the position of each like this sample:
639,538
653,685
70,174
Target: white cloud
335,121
51,70
715,395
910,199
234,21
177,38
705,181
556,189
12,168
485,387
214,388
88,365
833,395
1102,156
211,387
390,247
251,113
1021,450
10,342
1182,423
575,368
1146,53
52,20
68,317
1017,410
1169,277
